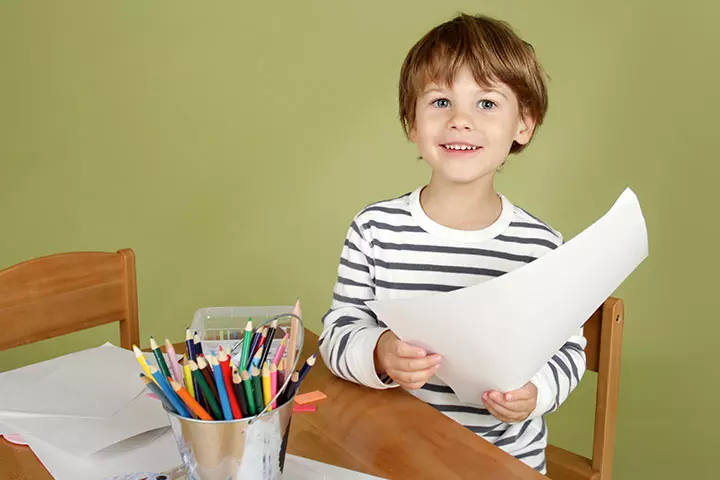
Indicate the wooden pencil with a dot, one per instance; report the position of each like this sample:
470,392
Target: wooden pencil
159,358
207,373
206,392
249,395
224,361
239,393
266,386
190,401
157,391
257,389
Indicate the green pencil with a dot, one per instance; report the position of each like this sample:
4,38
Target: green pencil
257,390
159,358
248,392
207,393
247,339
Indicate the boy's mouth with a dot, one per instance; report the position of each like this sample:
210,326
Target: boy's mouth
459,147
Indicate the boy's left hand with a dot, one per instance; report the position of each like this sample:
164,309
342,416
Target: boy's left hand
513,406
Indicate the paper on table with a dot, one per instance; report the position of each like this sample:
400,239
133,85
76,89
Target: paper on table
92,383
299,468
84,436
531,311
144,453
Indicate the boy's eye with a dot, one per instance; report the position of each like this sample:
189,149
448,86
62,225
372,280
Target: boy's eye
441,103
486,104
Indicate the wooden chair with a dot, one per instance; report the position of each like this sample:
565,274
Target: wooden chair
603,332
58,294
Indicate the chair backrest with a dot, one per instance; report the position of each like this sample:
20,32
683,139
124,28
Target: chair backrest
603,332
58,294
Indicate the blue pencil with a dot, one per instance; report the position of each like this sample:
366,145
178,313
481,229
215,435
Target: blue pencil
157,391
197,344
220,384
190,344
169,392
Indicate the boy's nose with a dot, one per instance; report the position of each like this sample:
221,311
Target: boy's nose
460,121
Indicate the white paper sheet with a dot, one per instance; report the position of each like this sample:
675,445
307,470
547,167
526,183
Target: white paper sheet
498,334
150,452
92,383
84,436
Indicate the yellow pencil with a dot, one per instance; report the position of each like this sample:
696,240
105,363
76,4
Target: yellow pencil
266,386
187,374
143,363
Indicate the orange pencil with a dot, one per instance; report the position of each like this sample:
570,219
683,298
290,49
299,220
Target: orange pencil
189,401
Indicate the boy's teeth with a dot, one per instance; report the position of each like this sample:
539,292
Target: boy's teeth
460,147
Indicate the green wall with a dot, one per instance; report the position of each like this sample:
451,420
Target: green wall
229,144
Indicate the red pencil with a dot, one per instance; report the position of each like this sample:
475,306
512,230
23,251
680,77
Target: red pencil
224,360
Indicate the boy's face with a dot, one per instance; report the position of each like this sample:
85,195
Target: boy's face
465,132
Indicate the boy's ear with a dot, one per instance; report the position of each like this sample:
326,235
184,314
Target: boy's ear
412,134
526,127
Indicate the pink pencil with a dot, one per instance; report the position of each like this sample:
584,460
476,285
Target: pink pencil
273,383
280,350
175,368
281,373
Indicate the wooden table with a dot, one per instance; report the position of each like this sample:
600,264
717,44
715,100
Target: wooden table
387,433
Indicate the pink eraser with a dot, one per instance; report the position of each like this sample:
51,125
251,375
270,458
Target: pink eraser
310,397
304,408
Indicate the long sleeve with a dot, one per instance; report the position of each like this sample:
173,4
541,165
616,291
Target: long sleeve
350,329
560,375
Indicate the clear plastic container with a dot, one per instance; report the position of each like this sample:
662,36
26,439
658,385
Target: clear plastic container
224,326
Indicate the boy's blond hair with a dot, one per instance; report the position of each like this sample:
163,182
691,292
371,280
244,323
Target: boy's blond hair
492,51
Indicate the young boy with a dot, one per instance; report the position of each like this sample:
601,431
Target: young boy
471,93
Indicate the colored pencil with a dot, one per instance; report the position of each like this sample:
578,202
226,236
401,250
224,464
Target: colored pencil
220,384
307,366
268,341
257,389
140,357
295,384
169,392
175,367
266,386
190,344
189,384
247,339
292,342
280,350
261,341
258,355
249,396
239,393
206,392
253,346
207,373
157,391
159,358
273,383
197,344
291,388
224,361
281,375
189,401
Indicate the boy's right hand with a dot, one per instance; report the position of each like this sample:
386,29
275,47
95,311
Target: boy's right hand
406,364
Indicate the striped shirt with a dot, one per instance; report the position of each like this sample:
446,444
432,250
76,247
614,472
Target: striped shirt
394,250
